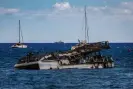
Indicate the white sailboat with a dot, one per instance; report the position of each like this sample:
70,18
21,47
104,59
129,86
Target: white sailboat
19,44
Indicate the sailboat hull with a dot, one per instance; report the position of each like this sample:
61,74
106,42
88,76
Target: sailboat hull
19,46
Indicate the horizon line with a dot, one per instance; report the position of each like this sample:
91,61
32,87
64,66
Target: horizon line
58,43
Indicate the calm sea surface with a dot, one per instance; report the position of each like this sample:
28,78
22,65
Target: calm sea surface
119,77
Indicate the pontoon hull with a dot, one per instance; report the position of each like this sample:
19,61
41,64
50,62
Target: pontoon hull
32,65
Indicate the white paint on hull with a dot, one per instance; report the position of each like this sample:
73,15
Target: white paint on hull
112,64
48,64
100,66
80,66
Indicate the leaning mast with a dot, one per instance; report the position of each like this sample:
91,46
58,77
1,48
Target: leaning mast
86,27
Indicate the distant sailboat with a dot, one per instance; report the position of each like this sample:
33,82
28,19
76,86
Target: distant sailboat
19,44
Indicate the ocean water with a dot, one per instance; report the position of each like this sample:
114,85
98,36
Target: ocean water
119,77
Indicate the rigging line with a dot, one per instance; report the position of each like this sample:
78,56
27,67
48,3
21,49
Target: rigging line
88,34
85,23
87,28
82,24
22,36
19,31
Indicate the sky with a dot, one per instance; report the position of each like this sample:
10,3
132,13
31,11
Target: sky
45,21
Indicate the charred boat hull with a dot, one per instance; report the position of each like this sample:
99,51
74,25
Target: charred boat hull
31,65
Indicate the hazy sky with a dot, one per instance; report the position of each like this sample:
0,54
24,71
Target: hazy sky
54,20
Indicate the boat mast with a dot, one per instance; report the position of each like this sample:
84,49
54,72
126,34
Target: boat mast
19,31
86,27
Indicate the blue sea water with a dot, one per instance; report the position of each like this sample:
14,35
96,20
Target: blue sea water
119,77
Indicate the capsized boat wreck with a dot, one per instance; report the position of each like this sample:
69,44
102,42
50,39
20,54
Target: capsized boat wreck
83,55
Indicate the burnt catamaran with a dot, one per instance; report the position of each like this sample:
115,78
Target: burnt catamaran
82,55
